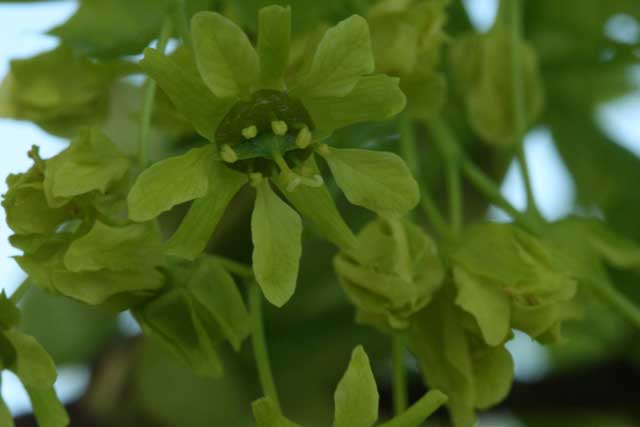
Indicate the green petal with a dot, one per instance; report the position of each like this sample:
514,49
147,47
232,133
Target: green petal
172,320
134,247
227,61
494,376
488,304
196,228
343,56
274,37
214,288
374,98
356,397
170,182
267,414
33,365
47,408
276,230
378,181
91,163
187,91
316,205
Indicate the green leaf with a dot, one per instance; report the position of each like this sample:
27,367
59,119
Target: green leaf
274,37
356,396
170,182
33,365
227,61
316,205
112,28
198,225
186,90
134,247
91,163
267,414
276,230
171,318
343,56
379,181
9,313
214,288
373,98
488,303
47,408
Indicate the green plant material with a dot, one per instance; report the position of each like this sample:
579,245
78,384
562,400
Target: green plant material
9,313
482,74
316,205
134,247
47,408
391,273
91,163
455,360
195,230
268,133
268,415
377,181
407,38
201,308
276,231
170,182
60,92
507,279
356,396
274,28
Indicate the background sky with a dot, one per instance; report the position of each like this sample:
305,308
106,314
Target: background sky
21,35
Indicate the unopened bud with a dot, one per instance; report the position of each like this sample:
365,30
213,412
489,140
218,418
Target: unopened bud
279,127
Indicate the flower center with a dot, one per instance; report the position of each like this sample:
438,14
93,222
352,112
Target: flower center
266,134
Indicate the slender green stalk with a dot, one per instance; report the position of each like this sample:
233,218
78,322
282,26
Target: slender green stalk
514,16
148,100
617,301
17,295
486,185
454,189
260,345
419,411
400,398
235,267
183,22
408,149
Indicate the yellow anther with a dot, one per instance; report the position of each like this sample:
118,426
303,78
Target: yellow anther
304,138
323,150
255,178
250,132
279,127
228,154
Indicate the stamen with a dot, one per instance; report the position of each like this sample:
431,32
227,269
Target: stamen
304,138
279,127
250,132
255,178
323,150
228,154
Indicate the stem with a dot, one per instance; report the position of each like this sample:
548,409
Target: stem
183,22
408,145
419,411
148,100
454,188
260,346
514,16
617,301
400,397
235,267
20,292
486,185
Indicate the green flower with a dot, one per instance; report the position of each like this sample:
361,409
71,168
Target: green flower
266,130
392,273
68,216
